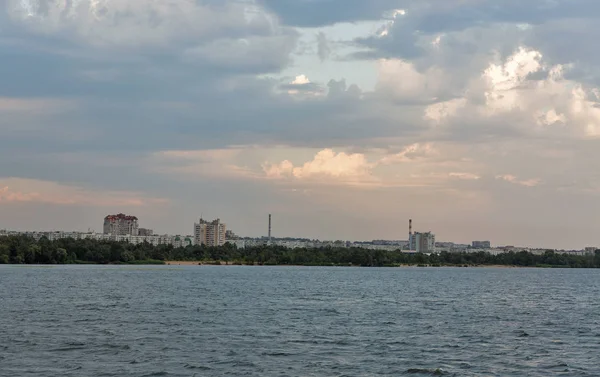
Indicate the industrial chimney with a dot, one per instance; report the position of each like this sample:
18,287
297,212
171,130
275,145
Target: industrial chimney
269,227
410,234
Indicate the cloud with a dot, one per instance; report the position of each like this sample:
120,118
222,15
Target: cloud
326,163
283,169
201,164
300,80
257,54
132,23
312,13
34,105
424,100
410,153
19,190
301,85
465,176
323,48
509,89
401,80
512,179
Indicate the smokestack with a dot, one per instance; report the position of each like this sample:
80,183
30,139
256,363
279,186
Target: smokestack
410,235
269,227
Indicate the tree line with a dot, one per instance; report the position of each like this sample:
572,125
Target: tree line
26,250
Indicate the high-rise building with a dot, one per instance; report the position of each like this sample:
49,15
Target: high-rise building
230,235
121,225
211,233
482,245
145,232
423,242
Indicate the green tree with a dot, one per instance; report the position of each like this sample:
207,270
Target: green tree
60,256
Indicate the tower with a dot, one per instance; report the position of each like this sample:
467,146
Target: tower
410,234
269,227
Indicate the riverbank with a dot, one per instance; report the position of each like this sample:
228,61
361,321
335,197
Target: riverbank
221,263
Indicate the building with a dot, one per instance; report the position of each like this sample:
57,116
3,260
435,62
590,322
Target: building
210,233
231,236
121,225
145,232
481,245
181,241
420,242
423,242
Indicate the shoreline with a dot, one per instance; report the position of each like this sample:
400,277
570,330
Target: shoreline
221,263
224,264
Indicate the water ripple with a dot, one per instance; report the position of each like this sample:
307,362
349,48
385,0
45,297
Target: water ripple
287,321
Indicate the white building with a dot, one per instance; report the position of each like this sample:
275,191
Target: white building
180,241
423,242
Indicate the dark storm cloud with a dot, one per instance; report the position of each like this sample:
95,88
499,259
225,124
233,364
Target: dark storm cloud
431,16
313,13
562,28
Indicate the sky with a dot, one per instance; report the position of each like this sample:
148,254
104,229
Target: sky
478,119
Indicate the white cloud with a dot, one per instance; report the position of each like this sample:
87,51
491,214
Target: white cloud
532,103
281,170
465,176
442,110
326,163
513,179
412,152
512,73
402,80
393,14
301,87
300,80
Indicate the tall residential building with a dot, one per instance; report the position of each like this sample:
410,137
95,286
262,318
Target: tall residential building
145,232
230,235
482,245
423,242
121,225
210,233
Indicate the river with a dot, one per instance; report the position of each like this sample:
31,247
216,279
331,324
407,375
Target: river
298,321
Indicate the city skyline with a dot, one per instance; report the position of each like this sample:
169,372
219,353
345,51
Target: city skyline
215,233
341,118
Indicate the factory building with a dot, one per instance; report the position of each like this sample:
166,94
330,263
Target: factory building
420,242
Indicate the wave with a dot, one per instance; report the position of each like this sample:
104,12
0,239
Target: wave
427,372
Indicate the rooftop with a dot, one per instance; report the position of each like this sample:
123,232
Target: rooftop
119,216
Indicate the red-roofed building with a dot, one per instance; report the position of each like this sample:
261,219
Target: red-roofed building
120,225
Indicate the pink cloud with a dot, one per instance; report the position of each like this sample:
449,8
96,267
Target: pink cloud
19,190
513,179
35,105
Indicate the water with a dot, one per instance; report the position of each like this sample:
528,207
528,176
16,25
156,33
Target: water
293,321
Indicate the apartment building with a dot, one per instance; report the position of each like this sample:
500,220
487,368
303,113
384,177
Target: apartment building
481,244
121,225
211,233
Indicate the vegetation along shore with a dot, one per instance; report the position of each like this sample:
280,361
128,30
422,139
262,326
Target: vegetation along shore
26,250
